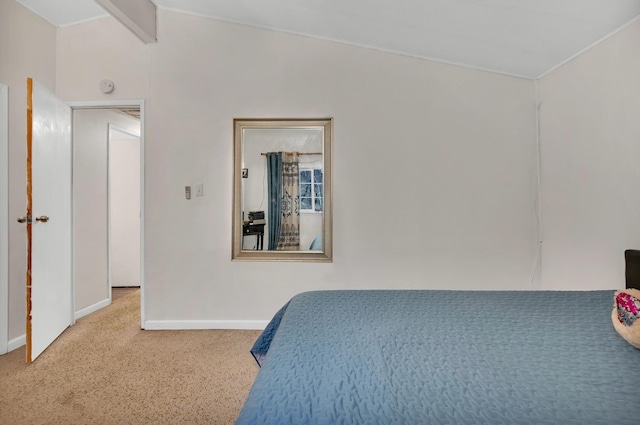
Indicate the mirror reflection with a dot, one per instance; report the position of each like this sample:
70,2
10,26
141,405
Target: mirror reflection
282,194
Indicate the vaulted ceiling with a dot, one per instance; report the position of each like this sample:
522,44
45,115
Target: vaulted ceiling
525,38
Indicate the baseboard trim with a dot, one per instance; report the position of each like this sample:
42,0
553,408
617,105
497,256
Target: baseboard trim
91,309
16,343
164,324
205,324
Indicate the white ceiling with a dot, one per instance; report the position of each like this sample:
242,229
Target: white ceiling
525,38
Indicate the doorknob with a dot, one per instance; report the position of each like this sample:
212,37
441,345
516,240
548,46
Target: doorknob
42,218
25,219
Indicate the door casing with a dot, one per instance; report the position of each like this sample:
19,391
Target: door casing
4,219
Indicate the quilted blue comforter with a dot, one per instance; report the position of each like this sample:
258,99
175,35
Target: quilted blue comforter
445,357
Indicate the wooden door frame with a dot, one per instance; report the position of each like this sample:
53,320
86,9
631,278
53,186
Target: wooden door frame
4,219
114,104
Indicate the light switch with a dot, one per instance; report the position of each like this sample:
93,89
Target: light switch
199,189
187,192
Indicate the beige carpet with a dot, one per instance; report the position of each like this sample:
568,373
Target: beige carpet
105,370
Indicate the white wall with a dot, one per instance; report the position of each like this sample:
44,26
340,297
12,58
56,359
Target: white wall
104,48
27,49
435,177
124,208
90,198
590,133
434,165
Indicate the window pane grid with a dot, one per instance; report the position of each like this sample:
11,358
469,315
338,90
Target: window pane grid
311,190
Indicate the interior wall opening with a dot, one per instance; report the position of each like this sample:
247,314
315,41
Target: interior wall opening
108,182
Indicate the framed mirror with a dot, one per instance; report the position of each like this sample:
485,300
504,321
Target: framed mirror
282,187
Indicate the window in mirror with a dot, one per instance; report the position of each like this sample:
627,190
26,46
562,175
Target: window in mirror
311,190
282,190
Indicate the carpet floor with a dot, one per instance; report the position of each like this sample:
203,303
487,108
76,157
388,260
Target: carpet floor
105,370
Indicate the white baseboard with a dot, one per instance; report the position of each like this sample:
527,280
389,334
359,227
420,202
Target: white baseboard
92,308
165,324
17,342
205,324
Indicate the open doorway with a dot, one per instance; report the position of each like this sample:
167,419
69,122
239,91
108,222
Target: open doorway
88,163
124,210
108,158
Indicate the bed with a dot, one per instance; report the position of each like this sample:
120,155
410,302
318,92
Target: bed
445,357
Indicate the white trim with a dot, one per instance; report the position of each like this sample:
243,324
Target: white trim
72,226
205,324
92,308
4,219
143,303
589,47
81,21
107,104
136,103
109,285
18,342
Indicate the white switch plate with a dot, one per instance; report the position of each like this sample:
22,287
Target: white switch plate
199,189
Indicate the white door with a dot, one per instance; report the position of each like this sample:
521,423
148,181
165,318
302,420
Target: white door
49,219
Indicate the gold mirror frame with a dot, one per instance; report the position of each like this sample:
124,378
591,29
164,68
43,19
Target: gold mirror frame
237,251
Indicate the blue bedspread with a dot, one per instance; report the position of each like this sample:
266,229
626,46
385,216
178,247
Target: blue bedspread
446,357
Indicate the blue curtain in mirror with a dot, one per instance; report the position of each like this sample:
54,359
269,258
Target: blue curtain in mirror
274,172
